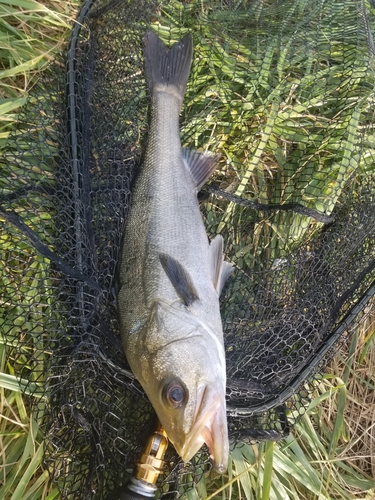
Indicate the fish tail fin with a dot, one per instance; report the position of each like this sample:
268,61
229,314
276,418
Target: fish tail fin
168,69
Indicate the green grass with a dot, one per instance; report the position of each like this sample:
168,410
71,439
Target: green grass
330,453
282,135
21,442
31,33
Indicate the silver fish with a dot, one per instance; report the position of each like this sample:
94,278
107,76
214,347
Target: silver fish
171,276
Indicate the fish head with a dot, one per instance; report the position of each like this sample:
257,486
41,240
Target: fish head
182,370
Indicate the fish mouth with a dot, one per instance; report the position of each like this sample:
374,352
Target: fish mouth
210,427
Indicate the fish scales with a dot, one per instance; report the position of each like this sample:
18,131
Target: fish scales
167,186
171,275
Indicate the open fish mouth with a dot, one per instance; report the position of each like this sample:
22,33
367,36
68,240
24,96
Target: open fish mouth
210,427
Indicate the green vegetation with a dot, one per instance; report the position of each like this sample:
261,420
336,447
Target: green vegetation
269,126
266,98
31,34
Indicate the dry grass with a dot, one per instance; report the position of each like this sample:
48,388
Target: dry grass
357,444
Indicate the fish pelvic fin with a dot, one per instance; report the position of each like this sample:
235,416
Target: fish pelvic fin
179,278
167,67
201,165
221,270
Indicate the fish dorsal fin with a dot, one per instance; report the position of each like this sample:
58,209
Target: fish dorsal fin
179,278
221,270
201,165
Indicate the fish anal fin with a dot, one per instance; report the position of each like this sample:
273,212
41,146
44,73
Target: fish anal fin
179,278
221,270
201,165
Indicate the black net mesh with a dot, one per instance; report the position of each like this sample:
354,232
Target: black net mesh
285,91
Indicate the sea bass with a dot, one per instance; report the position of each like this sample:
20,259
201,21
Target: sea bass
171,276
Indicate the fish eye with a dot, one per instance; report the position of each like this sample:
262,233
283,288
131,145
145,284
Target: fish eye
175,394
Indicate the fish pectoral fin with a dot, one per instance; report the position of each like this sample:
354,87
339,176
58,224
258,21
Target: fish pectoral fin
179,278
221,270
201,165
